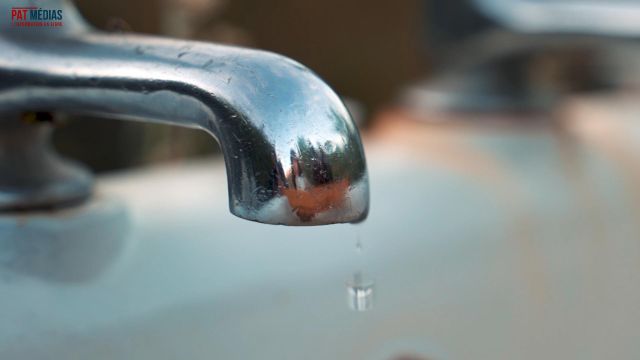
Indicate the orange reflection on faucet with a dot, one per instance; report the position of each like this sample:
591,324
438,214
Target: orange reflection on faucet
313,188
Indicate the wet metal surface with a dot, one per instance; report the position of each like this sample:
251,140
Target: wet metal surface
293,155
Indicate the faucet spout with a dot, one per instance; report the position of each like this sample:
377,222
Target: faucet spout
293,155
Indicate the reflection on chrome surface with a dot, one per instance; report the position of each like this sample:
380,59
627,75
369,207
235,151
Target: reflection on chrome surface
293,155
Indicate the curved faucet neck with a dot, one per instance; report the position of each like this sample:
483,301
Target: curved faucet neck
292,152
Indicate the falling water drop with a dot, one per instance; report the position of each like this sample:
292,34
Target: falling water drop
360,289
360,292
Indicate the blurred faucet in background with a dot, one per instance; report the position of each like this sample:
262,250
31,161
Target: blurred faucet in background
525,55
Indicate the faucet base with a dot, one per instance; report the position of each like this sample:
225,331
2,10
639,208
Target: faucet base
32,175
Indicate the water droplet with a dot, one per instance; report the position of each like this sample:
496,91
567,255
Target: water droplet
360,292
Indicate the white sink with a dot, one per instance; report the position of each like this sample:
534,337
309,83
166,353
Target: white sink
513,255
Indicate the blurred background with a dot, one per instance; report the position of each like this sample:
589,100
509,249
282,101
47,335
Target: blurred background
419,59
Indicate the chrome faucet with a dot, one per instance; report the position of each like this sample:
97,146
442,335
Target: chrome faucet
293,155
487,53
